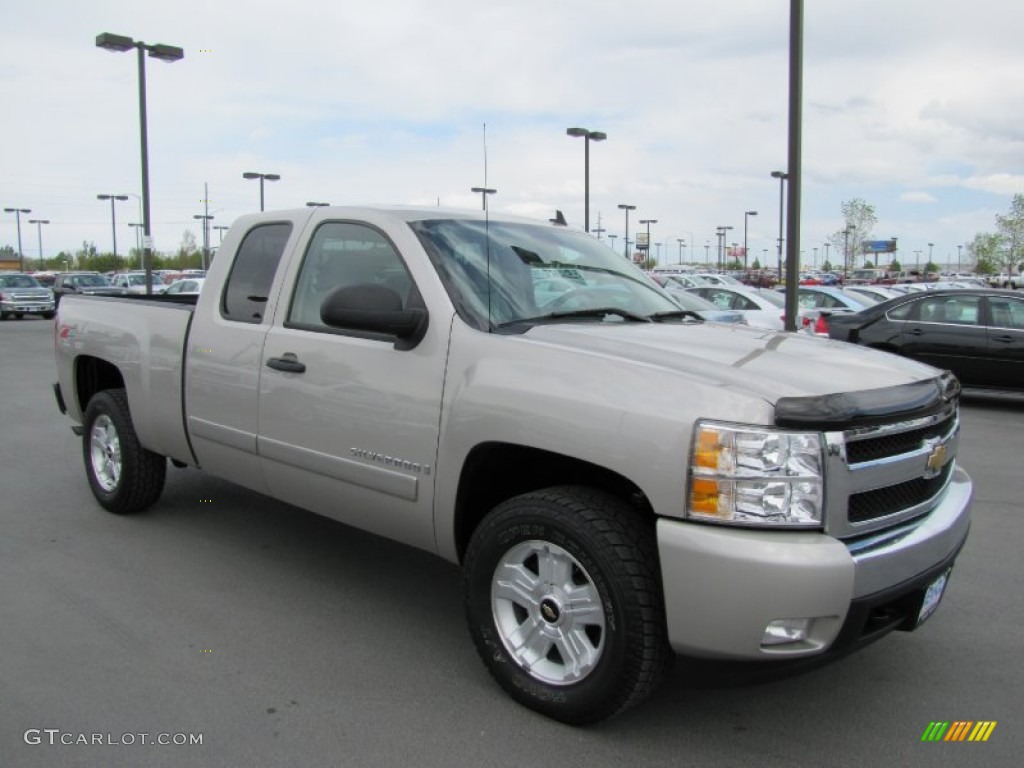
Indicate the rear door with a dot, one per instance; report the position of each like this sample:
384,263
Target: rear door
226,347
348,424
1006,342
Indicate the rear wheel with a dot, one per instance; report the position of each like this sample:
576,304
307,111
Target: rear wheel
124,476
563,597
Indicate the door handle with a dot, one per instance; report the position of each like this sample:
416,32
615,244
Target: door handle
915,332
288,362
1005,338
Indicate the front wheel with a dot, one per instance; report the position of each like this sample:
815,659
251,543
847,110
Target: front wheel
124,476
563,596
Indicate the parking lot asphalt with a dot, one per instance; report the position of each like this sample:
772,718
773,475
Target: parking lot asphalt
282,638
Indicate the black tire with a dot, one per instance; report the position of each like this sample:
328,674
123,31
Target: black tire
124,477
3,315
18,315
604,551
49,315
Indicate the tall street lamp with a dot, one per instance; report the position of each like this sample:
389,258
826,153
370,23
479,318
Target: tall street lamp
262,177
39,230
722,231
930,246
612,238
625,240
206,219
221,229
588,136
113,220
168,53
681,244
483,192
781,176
17,216
846,251
746,216
648,222
317,205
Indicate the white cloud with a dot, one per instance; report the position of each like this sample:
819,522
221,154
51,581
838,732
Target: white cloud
918,197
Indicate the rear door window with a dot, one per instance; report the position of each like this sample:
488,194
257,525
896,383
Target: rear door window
248,285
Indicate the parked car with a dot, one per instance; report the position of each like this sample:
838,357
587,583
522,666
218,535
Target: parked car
871,294
976,334
135,282
22,295
820,302
84,283
677,280
190,286
762,309
704,309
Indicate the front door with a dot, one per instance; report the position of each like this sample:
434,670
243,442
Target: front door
348,424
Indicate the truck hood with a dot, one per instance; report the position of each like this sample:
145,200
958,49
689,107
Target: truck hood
763,363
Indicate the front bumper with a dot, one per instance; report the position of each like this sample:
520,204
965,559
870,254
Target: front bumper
26,306
723,586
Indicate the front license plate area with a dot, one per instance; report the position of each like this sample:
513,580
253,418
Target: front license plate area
933,596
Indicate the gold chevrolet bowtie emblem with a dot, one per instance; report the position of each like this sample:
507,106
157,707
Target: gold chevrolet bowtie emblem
936,459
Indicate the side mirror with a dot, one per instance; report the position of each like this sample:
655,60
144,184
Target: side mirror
374,308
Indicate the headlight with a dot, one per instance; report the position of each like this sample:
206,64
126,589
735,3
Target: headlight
744,475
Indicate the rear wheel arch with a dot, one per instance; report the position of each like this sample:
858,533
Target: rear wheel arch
93,375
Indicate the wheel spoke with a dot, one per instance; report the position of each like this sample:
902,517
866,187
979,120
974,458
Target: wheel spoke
584,605
528,643
555,568
513,582
577,652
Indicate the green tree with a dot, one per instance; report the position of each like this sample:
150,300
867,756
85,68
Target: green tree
756,264
895,266
860,219
986,250
1011,227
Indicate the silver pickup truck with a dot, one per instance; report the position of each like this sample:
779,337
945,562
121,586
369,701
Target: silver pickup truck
618,480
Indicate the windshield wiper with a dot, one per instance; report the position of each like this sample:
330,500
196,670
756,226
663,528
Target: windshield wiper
592,312
658,317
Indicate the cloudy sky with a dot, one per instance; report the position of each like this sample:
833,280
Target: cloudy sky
912,105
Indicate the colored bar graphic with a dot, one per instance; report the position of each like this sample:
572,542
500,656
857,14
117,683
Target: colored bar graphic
959,730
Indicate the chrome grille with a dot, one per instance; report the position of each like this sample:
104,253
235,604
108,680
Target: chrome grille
881,476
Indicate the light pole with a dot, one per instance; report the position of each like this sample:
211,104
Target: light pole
39,230
826,258
138,245
846,252
721,245
168,53
612,238
17,216
221,229
681,244
113,220
958,252
625,240
930,246
262,177
746,216
484,192
206,219
707,253
781,176
313,205
599,230
588,136
648,222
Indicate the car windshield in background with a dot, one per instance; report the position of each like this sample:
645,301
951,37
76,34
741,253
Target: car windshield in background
18,281
499,273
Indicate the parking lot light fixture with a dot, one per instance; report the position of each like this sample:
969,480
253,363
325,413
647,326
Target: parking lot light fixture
262,177
113,220
221,229
17,217
168,53
746,217
588,136
484,192
625,240
39,229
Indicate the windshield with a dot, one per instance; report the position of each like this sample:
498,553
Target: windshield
502,272
18,281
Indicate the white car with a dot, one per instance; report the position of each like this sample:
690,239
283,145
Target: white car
762,309
189,286
135,282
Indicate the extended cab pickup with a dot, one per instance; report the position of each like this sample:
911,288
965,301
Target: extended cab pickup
618,480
